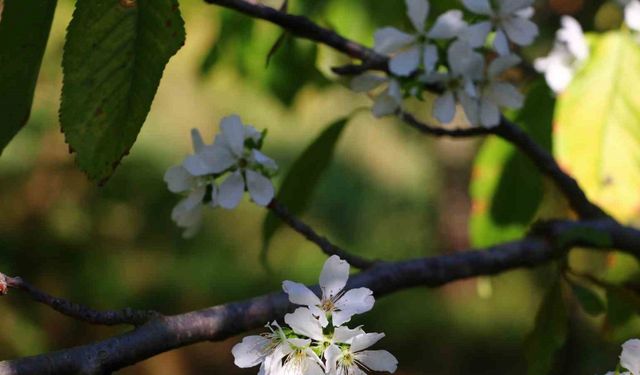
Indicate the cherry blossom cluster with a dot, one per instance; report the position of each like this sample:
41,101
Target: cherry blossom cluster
448,53
235,159
315,340
629,359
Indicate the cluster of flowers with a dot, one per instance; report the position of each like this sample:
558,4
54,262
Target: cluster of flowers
235,152
416,59
315,340
629,358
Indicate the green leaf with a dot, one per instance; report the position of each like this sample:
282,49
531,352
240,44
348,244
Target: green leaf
24,31
549,333
591,303
302,178
597,133
113,60
506,188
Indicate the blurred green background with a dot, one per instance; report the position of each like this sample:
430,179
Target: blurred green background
389,194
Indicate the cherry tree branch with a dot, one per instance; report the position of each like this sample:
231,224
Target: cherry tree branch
549,242
75,310
324,244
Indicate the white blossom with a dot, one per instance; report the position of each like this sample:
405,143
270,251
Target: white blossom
387,101
336,303
630,356
569,53
410,51
632,14
510,19
261,349
354,359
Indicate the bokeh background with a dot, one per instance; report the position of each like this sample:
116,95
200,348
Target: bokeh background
389,194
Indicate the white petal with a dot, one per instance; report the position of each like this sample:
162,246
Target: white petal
233,134
178,179
390,40
332,354
300,294
251,133
384,105
230,192
417,11
334,276
557,74
366,82
479,6
264,160
489,113
571,34
394,90
378,360
464,61
188,204
355,301
344,334
250,352
444,108
448,25
476,34
630,357
217,157
471,108
521,31
502,64
632,15
260,188
500,43
361,342
504,94
525,12
320,314
304,323
513,6
196,140
405,62
196,166
429,57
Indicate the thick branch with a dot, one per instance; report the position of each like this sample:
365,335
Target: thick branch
324,244
220,322
77,311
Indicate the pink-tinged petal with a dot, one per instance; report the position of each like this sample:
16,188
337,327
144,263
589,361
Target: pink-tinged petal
233,134
366,82
334,276
417,11
178,179
260,188
478,6
362,342
448,25
405,62
250,352
476,34
500,43
378,360
300,294
231,190
304,323
444,108
390,40
520,31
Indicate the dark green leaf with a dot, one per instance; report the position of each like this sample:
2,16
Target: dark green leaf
114,57
506,188
24,31
549,333
622,305
302,178
591,303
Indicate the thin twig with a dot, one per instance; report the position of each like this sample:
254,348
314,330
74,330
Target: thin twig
77,311
438,131
324,244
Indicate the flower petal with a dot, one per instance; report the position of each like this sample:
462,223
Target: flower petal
250,352
334,276
444,108
196,140
251,133
361,342
521,31
489,113
417,11
430,57
502,64
344,334
513,6
232,132
384,105
230,192
197,166
178,179
630,357
354,301
405,62
260,188
366,82
479,6
300,294
476,34
500,43
448,25
390,40
217,157
332,354
378,360
304,323
632,15
264,160
571,34
504,94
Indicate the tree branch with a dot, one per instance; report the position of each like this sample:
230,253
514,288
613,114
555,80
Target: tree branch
77,311
324,244
550,242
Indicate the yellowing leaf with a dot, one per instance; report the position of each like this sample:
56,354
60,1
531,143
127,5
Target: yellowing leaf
597,130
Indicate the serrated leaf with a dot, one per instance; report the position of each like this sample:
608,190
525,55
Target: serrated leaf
113,60
597,133
591,303
506,188
24,31
549,333
303,177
